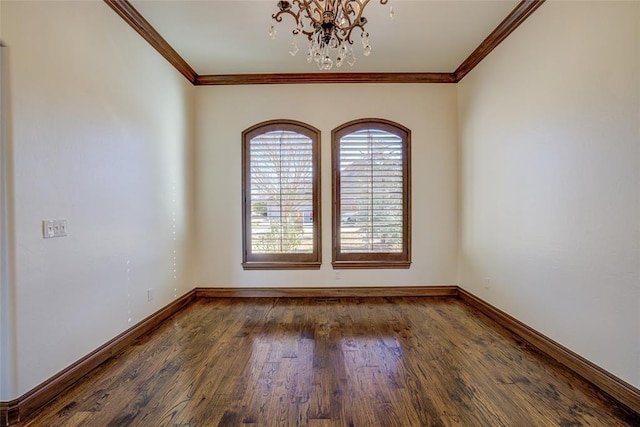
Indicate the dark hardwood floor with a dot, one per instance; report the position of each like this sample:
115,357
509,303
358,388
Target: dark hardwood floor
398,361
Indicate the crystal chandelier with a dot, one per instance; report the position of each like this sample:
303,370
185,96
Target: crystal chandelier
328,25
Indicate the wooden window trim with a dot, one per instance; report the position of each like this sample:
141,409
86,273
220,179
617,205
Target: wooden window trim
308,261
367,260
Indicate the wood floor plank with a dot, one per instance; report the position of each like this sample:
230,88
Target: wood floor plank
392,361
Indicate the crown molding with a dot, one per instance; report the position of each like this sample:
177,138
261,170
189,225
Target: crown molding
307,78
132,17
127,12
522,11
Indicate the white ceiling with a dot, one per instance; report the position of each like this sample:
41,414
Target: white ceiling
231,37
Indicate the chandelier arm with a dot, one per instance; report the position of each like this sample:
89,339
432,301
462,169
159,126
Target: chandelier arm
349,10
306,7
309,34
311,7
349,30
354,17
278,16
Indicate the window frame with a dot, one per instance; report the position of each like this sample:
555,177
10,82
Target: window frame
281,261
381,259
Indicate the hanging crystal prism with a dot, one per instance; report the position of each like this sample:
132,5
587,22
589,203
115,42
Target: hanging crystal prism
364,36
327,63
272,32
294,47
351,58
334,42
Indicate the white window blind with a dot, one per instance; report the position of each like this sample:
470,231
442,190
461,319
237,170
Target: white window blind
281,193
371,192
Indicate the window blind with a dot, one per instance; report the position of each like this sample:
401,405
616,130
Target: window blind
371,192
281,193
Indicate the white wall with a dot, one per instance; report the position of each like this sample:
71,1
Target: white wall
101,129
224,112
550,179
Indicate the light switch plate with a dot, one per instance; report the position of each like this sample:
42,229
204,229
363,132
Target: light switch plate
54,228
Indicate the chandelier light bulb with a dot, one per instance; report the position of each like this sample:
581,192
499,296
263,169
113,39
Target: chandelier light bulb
329,26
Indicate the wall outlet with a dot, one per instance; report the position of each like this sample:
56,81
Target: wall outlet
337,275
54,228
149,294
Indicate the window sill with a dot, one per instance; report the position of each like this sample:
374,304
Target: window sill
281,265
343,265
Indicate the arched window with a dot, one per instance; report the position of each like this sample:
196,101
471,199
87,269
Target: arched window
281,196
371,195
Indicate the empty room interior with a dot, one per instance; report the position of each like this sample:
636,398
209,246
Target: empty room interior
152,272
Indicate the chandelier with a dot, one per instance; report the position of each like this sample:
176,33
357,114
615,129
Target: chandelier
328,25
